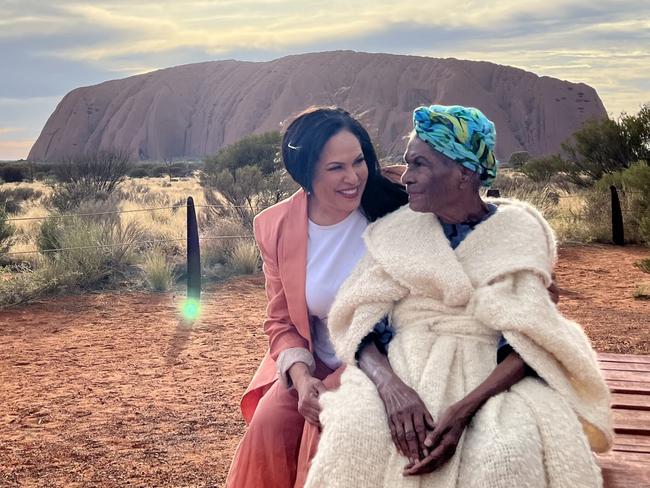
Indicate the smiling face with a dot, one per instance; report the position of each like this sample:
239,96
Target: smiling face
339,179
434,182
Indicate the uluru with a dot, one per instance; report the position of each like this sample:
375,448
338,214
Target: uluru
193,110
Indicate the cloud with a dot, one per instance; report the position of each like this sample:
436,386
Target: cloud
48,49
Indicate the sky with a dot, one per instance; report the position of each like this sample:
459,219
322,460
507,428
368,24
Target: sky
50,48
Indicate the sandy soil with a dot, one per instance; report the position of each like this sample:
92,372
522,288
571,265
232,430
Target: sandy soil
110,390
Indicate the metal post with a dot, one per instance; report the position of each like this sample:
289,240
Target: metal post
193,264
618,233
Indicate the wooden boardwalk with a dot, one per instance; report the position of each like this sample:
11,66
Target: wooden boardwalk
628,464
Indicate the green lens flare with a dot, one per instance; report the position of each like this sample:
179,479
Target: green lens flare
191,309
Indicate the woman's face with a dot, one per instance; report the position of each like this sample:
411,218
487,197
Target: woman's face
340,176
432,180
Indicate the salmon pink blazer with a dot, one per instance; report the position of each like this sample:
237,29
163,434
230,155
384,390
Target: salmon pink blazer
281,235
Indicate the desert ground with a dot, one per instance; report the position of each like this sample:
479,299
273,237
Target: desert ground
111,389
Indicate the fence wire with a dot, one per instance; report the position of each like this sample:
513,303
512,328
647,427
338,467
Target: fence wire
114,212
123,244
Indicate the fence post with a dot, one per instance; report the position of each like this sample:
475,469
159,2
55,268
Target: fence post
193,263
618,233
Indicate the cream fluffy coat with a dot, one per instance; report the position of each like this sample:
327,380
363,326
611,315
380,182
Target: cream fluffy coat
448,308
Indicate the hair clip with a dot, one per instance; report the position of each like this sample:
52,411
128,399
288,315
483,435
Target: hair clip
290,146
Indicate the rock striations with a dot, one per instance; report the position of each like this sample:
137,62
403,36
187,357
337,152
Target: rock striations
193,110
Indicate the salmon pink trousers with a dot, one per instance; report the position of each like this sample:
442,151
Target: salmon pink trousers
278,445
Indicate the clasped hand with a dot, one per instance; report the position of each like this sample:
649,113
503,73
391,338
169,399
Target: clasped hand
426,444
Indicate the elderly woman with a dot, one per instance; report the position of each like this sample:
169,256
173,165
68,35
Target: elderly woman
455,273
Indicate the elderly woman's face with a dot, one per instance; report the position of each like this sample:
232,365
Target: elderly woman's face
340,175
432,180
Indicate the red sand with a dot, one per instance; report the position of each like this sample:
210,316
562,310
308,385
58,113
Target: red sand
107,389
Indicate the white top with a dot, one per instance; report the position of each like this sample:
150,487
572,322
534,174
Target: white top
332,252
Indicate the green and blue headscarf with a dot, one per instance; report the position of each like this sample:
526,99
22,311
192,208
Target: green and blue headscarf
463,134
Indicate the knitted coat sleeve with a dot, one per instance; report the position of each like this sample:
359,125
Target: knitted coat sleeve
364,299
519,307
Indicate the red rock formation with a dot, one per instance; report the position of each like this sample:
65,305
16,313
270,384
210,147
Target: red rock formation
193,110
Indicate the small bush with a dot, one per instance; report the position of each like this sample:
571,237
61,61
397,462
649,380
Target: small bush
138,172
158,272
541,196
642,292
643,265
13,173
518,159
542,170
244,258
89,177
96,249
13,198
6,232
633,186
23,283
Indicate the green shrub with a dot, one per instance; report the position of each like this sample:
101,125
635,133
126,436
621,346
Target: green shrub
244,257
518,159
633,186
96,249
247,176
158,271
21,284
542,196
542,170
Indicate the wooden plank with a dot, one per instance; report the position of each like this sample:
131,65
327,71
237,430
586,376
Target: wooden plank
631,448
626,358
639,459
630,401
618,366
636,422
619,475
629,387
625,439
630,376
631,443
628,464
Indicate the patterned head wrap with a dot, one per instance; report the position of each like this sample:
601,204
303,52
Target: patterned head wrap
463,134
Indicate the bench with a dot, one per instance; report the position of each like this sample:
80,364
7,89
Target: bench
628,463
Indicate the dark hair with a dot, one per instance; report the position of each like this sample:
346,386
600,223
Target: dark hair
303,142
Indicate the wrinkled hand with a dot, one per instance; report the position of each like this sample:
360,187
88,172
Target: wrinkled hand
408,417
441,443
309,389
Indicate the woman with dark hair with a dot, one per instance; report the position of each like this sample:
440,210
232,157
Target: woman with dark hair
309,244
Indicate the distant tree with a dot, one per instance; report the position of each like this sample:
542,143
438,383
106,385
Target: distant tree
248,176
606,146
259,150
89,177
13,172
518,159
543,169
